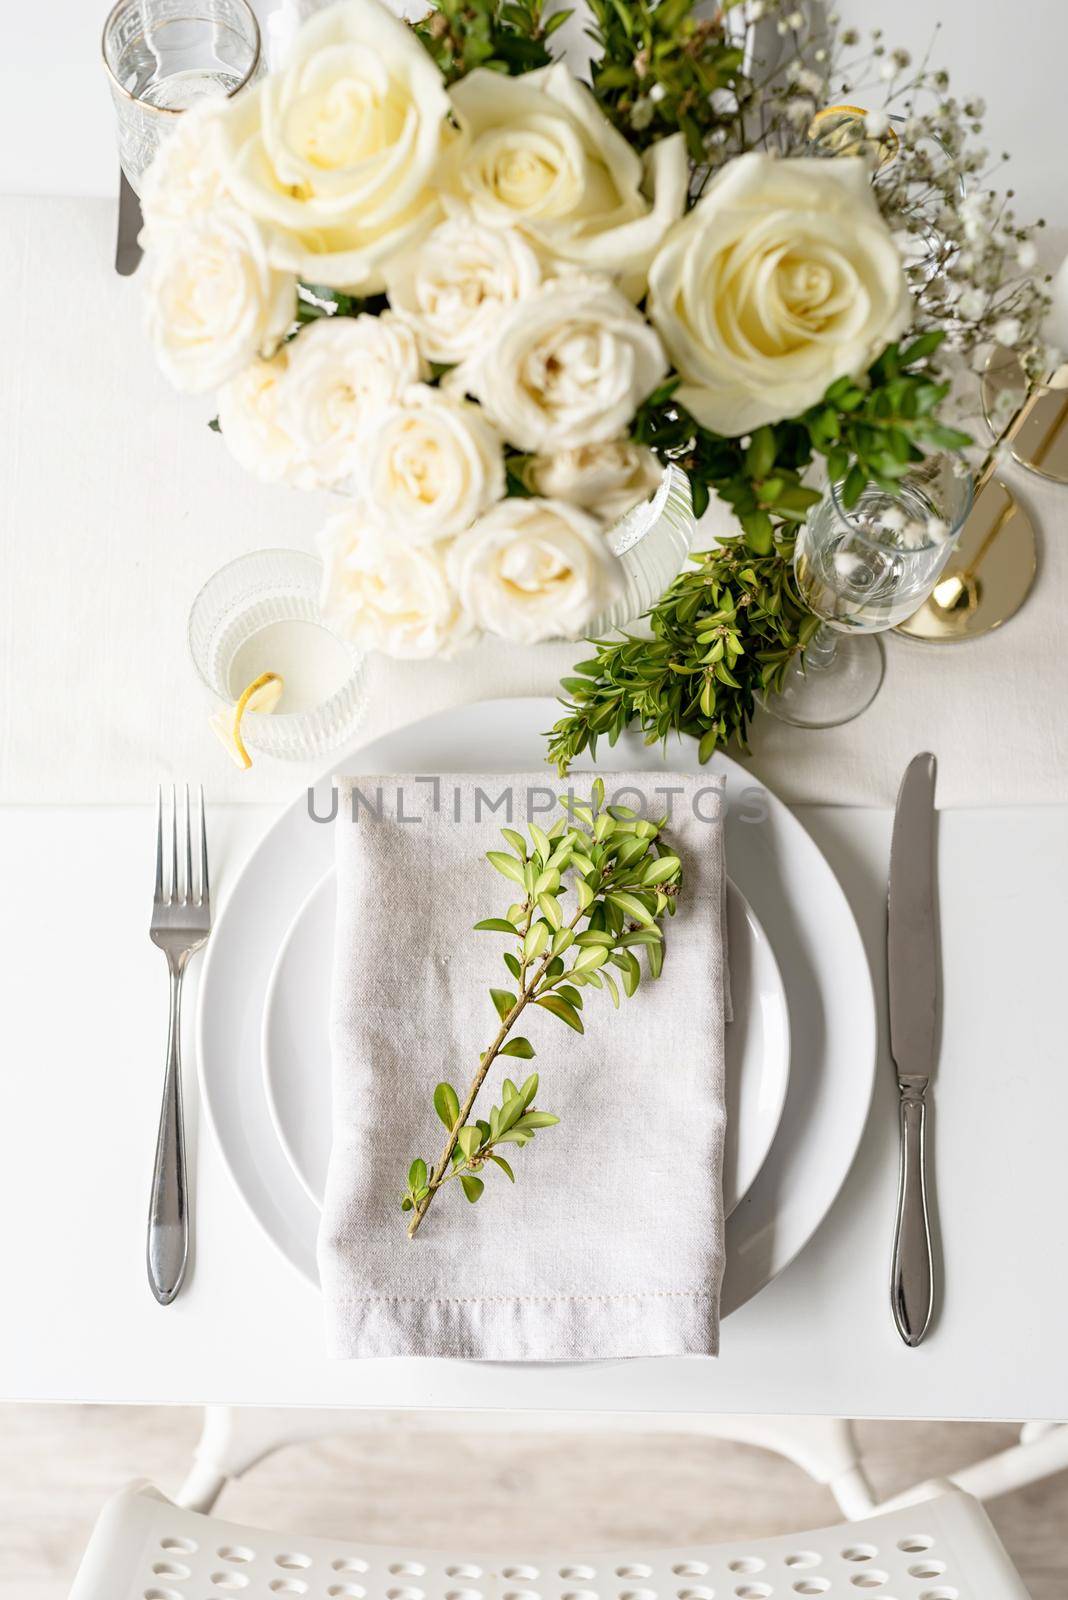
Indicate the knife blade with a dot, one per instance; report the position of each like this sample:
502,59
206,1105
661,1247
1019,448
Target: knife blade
127,249
915,1019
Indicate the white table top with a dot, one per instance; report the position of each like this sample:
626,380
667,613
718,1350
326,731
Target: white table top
84,1038
118,503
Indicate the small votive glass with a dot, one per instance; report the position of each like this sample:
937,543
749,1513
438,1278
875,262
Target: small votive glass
262,613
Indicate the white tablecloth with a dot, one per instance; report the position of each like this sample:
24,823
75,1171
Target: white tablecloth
118,502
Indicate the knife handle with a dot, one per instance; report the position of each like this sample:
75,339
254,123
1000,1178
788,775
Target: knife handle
912,1282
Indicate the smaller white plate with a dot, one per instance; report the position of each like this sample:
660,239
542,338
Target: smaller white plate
296,1043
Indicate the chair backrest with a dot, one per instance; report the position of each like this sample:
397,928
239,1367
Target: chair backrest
145,1548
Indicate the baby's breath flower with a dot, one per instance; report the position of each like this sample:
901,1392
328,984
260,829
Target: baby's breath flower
1008,331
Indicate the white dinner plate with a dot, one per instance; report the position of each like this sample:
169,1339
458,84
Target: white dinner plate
296,1042
790,886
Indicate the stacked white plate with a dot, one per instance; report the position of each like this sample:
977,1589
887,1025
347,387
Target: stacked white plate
801,1050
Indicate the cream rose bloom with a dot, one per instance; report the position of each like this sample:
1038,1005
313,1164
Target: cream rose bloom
452,287
607,479
248,419
569,366
539,154
534,569
213,300
429,467
336,151
342,372
782,278
389,596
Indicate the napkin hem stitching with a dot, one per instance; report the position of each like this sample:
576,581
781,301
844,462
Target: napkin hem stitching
494,1299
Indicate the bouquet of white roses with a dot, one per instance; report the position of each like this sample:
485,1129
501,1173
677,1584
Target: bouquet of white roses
489,302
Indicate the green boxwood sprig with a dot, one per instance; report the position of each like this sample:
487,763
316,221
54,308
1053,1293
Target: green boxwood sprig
593,890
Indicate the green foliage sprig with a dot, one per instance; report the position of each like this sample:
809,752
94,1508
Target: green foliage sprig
624,881
868,429
724,632
659,67
512,37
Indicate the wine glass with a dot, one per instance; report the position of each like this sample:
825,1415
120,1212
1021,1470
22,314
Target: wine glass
862,570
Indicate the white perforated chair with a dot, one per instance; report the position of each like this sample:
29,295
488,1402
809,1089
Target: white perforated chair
146,1548
237,1438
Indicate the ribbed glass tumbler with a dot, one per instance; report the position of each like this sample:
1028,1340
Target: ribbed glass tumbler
261,613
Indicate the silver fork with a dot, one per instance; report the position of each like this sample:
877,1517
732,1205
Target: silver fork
181,921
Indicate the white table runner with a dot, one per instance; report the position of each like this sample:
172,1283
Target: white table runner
117,502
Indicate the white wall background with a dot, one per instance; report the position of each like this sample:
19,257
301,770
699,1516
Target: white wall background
55,115
1015,57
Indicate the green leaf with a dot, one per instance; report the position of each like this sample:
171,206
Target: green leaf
855,484
921,348
760,455
508,865
532,1120
417,1174
590,958
503,1164
660,871
494,925
447,1104
542,842
517,842
406,1204
630,967
469,1140
655,957
512,963
549,906
560,1008
536,941
571,995
631,906
585,894
503,1000
472,1187
518,1047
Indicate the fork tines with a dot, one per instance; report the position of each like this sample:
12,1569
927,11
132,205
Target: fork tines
172,889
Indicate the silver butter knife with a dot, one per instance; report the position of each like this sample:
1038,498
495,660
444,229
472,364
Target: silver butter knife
127,249
915,1020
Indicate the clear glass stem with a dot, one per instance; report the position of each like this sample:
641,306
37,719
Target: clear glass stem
822,648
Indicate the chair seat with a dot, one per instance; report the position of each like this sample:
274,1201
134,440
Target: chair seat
146,1548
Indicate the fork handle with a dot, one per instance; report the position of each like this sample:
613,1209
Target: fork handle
168,1218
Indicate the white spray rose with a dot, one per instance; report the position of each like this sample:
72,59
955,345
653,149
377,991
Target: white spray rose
336,151
453,285
534,569
539,154
782,278
343,371
213,300
429,466
389,596
607,479
249,420
185,176
569,366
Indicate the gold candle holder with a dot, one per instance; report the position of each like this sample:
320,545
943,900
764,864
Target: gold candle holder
996,560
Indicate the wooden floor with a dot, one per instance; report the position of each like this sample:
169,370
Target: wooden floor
58,1464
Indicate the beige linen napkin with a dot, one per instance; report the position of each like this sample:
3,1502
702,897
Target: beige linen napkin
611,1241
